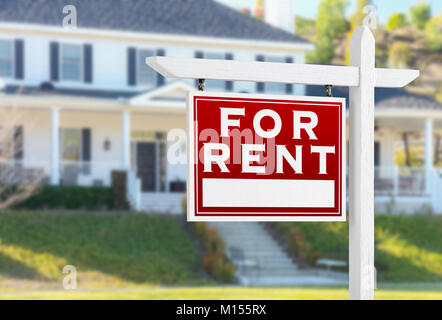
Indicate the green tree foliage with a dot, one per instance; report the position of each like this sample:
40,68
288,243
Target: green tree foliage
358,16
433,33
397,20
399,54
420,14
304,26
330,24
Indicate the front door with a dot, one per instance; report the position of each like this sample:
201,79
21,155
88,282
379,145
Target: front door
146,165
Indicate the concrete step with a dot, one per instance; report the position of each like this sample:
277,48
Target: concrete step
256,246
299,280
273,265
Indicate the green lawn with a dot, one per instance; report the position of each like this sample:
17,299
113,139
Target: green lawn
233,293
141,256
108,250
407,248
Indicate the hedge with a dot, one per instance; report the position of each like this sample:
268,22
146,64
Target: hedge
69,197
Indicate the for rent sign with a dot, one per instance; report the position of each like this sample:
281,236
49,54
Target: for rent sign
266,158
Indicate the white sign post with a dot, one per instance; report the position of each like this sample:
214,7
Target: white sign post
362,77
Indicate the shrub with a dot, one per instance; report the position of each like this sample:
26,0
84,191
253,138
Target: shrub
433,33
397,20
399,54
69,197
420,14
215,261
119,189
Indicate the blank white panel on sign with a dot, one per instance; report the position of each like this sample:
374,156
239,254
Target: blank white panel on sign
255,193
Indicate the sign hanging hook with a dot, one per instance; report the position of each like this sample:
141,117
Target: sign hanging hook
328,90
201,84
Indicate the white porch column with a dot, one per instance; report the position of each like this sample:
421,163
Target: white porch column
428,154
125,140
55,142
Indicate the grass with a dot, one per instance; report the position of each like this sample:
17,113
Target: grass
407,248
141,256
108,250
233,293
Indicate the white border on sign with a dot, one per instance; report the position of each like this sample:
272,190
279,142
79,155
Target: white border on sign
191,160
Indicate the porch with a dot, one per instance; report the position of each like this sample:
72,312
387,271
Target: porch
80,141
81,145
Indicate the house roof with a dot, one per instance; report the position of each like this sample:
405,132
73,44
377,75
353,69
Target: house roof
181,17
384,98
62,92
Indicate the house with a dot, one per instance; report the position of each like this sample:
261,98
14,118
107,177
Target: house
403,188
84,103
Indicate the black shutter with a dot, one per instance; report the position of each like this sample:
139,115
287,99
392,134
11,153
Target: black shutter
18,143
229,84
289,86
86,150
132,66
160,78
377,153
54,61
19,59
88,67
260,85
198,55
86,144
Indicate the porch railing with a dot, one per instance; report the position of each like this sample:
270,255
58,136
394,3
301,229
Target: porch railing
24,171
84,173
394,180
399,181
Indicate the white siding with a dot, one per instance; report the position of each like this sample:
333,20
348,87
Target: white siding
110,61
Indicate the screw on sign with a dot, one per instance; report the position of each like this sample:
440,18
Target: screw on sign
257,158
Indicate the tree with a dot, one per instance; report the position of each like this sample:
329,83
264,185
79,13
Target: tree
420,14
433,33
399,54
397,20
304,26
330,23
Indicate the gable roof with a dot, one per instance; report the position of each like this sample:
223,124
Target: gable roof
181,17
174,91
384,98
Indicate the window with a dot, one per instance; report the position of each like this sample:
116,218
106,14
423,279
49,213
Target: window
215,84
274,87
146,75
71,62
6,59
71,144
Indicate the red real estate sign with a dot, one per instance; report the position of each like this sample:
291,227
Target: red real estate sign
265,158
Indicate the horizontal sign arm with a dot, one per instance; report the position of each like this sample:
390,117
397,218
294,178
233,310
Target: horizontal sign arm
231,70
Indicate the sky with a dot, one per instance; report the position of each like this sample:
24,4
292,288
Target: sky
307,8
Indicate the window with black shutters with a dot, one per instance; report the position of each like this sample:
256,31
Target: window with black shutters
6,59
